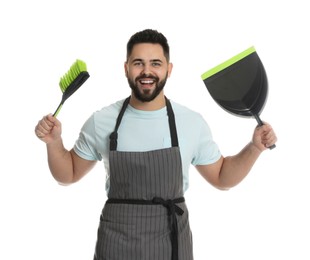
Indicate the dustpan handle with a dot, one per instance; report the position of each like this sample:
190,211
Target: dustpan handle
260,123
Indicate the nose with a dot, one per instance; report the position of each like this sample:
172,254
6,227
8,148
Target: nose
146,69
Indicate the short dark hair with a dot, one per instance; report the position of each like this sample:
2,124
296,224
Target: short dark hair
148,36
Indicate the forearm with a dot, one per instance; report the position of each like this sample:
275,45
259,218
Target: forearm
60,162
236,168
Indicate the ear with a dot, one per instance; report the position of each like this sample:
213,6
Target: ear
170,66
126,69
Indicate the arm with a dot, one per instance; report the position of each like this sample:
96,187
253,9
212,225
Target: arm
229,171
66,166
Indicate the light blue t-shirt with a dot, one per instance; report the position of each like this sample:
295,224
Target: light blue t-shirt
141,131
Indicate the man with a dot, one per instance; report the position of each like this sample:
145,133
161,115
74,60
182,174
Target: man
147,143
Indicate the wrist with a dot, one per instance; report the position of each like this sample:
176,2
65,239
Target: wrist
54,143
256,148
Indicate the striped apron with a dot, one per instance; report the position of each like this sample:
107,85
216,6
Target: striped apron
145,216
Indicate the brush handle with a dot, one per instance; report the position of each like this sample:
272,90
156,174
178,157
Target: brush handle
260,123
58,109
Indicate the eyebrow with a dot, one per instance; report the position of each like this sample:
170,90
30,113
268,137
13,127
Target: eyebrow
153,60
156,60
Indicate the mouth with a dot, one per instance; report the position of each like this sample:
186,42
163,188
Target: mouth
146,83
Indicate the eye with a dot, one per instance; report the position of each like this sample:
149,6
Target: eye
137,63
156,64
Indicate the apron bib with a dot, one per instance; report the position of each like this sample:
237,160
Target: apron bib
145,216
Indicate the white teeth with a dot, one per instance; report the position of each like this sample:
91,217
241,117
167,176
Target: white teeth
147,81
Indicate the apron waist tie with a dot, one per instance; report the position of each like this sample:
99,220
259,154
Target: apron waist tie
172,208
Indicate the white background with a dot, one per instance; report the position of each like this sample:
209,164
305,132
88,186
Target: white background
264,217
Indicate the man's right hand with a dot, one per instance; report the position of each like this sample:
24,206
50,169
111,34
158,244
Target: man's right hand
48,129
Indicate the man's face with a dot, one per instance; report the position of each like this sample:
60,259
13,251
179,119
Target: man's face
147,71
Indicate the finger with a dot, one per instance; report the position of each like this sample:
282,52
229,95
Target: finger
39,133
269,139
272,139
53,120
47,121
43,127
267,135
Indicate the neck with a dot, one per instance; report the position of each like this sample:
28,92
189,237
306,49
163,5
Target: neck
156,104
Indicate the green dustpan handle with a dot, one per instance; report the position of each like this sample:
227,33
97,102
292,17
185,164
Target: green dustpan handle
260,123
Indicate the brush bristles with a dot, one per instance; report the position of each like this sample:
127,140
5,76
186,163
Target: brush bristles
76,68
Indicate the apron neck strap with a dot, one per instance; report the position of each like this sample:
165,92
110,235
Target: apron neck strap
172,125
113,136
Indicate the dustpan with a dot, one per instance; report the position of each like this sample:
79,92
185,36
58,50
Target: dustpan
239,85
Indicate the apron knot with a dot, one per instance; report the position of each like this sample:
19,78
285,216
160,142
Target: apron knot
170,205
173,209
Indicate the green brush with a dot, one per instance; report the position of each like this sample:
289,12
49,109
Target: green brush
71,81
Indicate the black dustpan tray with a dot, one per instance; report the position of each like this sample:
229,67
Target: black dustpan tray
239,85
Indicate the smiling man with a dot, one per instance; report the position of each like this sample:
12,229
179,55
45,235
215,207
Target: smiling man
147,70
147,143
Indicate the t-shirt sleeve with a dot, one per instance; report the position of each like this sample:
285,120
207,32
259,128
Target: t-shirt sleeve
86,145
207,151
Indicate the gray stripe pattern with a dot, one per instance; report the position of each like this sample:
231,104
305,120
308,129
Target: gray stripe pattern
141,232
145,175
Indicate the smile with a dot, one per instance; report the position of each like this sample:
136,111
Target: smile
146,81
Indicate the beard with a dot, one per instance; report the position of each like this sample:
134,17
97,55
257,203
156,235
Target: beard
147,95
